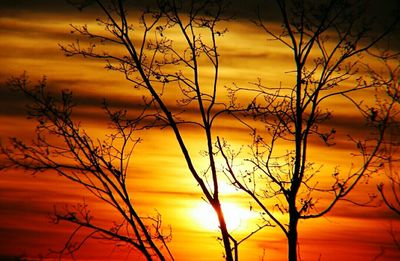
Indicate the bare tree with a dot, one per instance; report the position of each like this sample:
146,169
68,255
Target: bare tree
162,66
327,40
159,66
102,166
162,55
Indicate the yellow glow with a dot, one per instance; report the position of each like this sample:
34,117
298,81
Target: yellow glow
236,217
158,177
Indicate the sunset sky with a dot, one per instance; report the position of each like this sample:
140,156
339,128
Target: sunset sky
31,32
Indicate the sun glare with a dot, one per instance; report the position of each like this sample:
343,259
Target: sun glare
235,216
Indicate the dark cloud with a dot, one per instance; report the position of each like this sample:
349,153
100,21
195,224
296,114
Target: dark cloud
29,29
14,200
89,108
238,8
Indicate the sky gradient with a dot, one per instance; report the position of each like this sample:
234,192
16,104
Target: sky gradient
31,34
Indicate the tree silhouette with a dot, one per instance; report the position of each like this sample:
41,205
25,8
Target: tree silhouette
162,55
160,68
328,41
101,166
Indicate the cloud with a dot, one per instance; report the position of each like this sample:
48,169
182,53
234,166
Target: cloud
31,31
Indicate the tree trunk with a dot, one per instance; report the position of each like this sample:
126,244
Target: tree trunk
292,238
224,232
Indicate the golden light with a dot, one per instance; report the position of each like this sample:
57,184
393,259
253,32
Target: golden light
236,216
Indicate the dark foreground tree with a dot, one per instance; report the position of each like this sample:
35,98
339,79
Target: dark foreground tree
160,52
101,166
328,41
163,53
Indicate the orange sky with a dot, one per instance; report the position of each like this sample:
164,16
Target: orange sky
160,178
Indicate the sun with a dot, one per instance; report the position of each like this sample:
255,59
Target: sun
235,216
